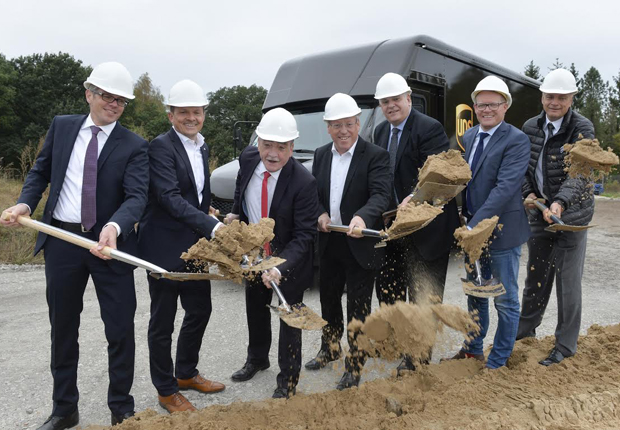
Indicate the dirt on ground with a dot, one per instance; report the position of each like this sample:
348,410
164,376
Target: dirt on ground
447,167
582,392
586,158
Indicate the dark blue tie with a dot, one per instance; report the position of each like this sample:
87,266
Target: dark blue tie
474,162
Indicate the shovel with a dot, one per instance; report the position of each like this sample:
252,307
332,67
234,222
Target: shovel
155,271
481,287
558,223
297,316
434,193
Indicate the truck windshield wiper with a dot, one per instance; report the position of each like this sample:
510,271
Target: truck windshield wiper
304,151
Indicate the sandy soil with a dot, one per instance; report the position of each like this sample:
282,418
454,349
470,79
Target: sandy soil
587,158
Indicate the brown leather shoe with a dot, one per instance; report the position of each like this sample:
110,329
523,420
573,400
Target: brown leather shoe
201,384
175,403
462,355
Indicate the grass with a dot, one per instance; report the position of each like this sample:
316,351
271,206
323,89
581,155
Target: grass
17,243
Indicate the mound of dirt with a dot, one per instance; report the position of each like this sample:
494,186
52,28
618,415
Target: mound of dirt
582,393
586,158
230,244
447,167
412,217
473,241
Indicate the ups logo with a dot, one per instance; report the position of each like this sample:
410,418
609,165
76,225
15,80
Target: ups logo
464,121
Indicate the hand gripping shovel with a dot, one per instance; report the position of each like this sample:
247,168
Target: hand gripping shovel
155,271
366,232
558,223
298,316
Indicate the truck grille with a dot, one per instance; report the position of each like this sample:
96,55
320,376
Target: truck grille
224,206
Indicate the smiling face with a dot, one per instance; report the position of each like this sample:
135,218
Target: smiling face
487,117
396,109
187,120
556,105
274,155
344,132
102,112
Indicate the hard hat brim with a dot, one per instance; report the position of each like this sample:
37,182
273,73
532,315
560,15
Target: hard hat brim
392,94
109,90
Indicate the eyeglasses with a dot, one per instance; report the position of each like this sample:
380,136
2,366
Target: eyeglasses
108,98
337,126
492,106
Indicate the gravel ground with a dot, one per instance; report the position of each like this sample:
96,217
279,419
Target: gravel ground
25,340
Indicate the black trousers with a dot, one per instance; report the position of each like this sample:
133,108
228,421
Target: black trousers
405,270
67,268
339,268
196,302
257,297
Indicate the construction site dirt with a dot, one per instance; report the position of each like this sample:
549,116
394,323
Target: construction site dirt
583,392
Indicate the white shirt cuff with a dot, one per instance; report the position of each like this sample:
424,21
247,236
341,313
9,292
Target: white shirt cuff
218,225
116,226
29,210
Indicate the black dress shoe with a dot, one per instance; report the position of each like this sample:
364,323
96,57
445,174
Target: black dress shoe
321,360
283,393
117,419
348,380
61,423
405,365
554,357
248,371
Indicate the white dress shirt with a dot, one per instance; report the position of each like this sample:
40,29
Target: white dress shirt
477,140
254,190
194,151
340,168
538,173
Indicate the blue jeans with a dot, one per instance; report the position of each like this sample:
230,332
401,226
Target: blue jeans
504,265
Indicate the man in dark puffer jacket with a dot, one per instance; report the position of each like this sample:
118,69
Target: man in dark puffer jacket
560,255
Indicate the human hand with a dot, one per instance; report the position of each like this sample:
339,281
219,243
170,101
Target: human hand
9,216
356,222
271,275
324,221
531,197
107,237
554,209
230,217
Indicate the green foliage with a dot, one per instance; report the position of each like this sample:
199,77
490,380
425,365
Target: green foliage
146,114
594,96
532,71
227,106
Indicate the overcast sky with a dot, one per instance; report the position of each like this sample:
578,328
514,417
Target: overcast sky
226,43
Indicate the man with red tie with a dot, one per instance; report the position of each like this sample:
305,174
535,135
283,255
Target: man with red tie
271,183
97,171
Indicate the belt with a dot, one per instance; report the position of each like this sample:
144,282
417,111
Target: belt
73,227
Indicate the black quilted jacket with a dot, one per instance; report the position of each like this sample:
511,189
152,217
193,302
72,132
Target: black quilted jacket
575,194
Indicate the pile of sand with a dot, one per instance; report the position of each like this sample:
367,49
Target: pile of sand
583,392
230,244
447,167
405,328
586,158
473,241
412,217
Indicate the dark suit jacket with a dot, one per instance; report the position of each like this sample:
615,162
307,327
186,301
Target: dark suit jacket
495,187
422,136
293,207
366,193
122,179
174,219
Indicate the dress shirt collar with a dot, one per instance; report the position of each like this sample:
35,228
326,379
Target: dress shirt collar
489,132
200,140
400,127
107,129
261,169
350,151
556,124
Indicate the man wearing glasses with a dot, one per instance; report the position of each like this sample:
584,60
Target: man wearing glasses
98,176
353,179
558,255
497,153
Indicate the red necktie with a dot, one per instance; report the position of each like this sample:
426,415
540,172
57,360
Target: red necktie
264,206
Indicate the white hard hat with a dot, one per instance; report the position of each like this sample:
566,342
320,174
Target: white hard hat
278,125
391,85
559,81
113,78
340,106
495,84
187,93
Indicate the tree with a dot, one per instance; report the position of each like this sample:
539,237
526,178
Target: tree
557,65
146,114
227,106
594,95
532,71
577,98
8,118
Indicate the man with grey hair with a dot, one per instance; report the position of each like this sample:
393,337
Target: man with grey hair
558,255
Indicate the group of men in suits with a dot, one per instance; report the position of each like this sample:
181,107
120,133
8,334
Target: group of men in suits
105,179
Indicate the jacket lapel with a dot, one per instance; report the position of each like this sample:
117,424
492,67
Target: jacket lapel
110,144
252,163
469,144
72,133
498,135
181,152
404,138
358,154
283,181
206,190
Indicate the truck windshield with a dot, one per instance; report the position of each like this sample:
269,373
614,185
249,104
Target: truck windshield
313,130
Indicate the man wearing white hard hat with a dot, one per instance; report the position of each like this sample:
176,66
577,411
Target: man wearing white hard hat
558,255
272,184
177,215
353,179
97,171
497,154
416,264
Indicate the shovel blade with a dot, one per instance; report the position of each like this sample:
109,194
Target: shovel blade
301,317
487,289
179,276
436,194
565,227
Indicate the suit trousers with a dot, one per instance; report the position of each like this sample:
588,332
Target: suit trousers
406,270
196,302
257,297
339,268
561,256
67,269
